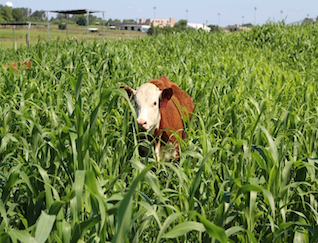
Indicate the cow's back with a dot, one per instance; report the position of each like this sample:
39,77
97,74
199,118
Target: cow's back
179,96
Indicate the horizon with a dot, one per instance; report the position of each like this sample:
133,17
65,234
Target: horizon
228,12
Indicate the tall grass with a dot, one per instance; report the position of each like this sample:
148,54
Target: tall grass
70,168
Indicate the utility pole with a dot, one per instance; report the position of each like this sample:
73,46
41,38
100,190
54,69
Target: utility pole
281,14
48,25
255,15
219,19
153,23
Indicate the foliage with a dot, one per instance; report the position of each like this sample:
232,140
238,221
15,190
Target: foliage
308,21
214,28
129,21
17,15
60,16
181,25
38,15
81,20
62,26
6,13
69,164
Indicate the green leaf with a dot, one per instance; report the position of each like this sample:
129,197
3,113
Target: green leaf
166,224
55,207
81,228
272,145
78,188
233,230
47,186
21,235
197,180
44,227
67,232
124,211
184,228
8,186
5,140
213,230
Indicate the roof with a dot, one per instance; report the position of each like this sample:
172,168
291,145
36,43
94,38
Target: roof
198,26
22,23
76,11
127,24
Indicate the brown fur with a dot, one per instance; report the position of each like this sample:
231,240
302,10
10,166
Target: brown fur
171,120
180,96
172,110
15,66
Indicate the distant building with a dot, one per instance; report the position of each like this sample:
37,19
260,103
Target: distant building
158,22
198,26
143,25
129,26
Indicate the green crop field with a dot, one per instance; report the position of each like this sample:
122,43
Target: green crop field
40,33
248,171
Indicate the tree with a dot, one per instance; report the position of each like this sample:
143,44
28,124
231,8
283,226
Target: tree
17,14
38,15
92,18
62,26
181,25
24,11
6,13
249,25
60,16
214,28
308,21
129,21
81,20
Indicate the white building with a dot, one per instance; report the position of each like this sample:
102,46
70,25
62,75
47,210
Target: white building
198,26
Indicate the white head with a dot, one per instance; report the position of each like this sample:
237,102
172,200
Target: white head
148,99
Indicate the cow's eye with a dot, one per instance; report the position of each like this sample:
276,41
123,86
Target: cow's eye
155,103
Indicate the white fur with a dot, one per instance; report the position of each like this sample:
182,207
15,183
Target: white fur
167,152
147,106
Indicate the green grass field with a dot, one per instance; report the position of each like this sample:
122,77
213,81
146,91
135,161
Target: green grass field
69,164
39,33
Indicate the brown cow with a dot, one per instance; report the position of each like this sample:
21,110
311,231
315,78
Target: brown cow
161,105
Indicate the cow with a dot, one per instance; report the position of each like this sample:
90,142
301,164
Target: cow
161,106
15,65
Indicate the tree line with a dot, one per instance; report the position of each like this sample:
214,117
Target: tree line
9,14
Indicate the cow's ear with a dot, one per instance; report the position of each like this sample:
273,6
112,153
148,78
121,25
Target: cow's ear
165,97
130,91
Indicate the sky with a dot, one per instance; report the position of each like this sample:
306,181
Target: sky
222,12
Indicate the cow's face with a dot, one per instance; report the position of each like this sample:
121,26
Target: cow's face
147,99
147,106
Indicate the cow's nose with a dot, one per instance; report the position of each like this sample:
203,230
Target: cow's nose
141,122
